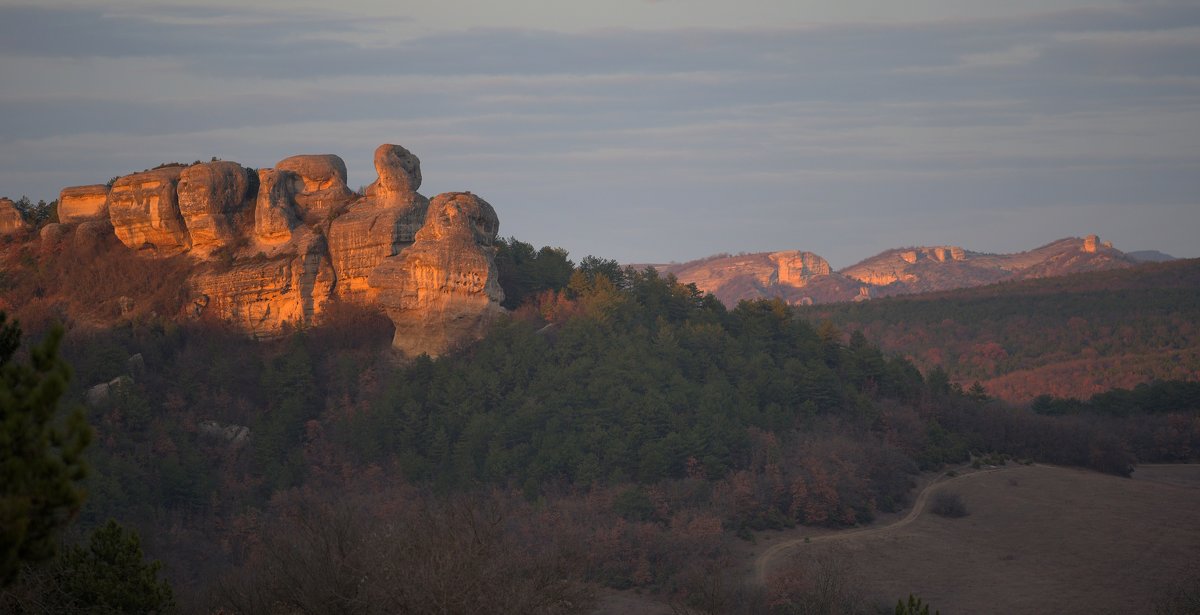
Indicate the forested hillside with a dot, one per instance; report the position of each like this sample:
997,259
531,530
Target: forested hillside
1071,336
617,430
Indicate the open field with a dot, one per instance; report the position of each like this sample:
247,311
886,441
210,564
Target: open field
1039,539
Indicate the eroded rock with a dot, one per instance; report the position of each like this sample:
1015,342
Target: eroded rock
213,197
380,225
82,203
10,219
274,214
443,290
144,210
262,295
318,185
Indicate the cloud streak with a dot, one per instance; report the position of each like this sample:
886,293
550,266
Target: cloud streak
651,144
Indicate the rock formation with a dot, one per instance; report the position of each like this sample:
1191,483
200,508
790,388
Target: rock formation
270,248
82,203
10,219
213,197
380,225
318,184
144,210
443,288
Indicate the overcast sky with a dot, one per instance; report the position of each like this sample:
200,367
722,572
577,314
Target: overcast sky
650,131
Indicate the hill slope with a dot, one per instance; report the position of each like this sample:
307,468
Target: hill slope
1068,336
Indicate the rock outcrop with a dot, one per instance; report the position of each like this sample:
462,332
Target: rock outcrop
379,225
271,248
443,289
264,295
10,219
318,184
83,203
213,197
144,210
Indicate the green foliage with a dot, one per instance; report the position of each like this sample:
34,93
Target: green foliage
41,453
38,214
1146,398
914,606
524,272
108,576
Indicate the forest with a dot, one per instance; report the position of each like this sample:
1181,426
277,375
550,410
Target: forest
617,430
1069,336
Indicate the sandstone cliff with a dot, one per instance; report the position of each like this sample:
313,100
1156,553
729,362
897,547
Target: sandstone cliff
443,288
80,203
10,219
272,247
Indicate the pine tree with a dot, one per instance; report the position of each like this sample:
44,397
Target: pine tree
110,575
41,455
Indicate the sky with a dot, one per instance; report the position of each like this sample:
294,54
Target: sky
650,131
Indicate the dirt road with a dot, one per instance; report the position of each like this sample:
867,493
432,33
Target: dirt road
763,561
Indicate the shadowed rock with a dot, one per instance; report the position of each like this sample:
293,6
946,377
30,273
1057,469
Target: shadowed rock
10,219
274,215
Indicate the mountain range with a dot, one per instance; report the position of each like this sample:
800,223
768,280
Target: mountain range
804,278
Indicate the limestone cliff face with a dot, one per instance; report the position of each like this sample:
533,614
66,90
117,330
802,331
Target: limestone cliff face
82,203
213,200
10,219
380,225
904,265
144,210
273,247
443,289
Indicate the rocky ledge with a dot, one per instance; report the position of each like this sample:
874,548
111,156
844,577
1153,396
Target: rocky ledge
274,246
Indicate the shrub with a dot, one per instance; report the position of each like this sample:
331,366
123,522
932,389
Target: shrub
950,505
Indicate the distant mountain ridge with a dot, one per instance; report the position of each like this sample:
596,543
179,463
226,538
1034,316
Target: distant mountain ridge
804,278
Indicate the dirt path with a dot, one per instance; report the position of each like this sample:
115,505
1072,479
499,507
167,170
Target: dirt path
764,560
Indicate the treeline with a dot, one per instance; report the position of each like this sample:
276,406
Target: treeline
1145,398
1073,335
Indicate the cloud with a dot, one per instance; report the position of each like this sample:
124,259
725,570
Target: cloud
705,139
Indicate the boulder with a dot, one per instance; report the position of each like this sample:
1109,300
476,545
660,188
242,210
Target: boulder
90,235
443,290
10,219
319,185
52,233
144,210
263,295
213,197
82,203
380,225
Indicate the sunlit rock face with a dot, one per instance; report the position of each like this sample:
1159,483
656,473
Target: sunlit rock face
379,225
10,218
270,248
264,295
318,185
443,289
82,203
274,212
144,210
214,199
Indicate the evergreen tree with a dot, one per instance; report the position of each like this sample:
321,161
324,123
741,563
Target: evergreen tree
110,576
41,454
